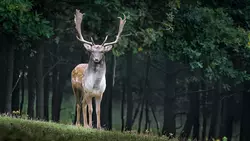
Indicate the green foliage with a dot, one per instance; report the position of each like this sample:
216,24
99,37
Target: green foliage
19,129
142,27
224,139
207,39
19,20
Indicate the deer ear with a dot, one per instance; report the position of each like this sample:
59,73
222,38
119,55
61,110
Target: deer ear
87,46
108,48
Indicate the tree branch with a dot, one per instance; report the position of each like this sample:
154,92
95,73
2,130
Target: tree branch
51,68
20,75
199,91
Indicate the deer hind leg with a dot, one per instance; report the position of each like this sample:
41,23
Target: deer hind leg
98,111
90,110
78,105
78,110
84,112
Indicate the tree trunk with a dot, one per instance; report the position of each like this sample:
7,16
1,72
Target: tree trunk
106,104
56,103
3,73
129,92
189,122
9,82
122,104
55,81
31,92
230,118
223,117
112,81
145,94
57,97
216,108
196,120
245,122
193,115
147,120
141,113
156,121
227,118
205,111
169,100
137,110
16,92
22,81
46,97
22,91
40,83
16,82
204,124
46,76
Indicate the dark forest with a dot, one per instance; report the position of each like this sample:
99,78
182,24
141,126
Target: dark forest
179,69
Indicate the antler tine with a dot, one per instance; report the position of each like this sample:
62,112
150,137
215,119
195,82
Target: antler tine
92,41
78,21
122,23
105,40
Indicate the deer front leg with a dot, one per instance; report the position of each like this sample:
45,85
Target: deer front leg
90,110
98,111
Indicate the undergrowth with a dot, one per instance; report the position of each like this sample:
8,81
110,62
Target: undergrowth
16,129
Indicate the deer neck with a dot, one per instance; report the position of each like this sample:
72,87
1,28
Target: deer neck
95,76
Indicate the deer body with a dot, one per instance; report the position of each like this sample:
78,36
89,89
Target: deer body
88,80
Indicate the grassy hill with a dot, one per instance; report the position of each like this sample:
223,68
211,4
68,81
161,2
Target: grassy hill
15,129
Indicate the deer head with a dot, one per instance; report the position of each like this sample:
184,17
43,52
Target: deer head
97,51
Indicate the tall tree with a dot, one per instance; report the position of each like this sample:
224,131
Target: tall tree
169,99
129,97
31,90
8,99
3,73
46,96
16,81
216,112
111,82
40,82
245,122
24,25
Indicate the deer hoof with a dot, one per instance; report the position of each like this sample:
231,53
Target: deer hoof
86,126
78,124
99,128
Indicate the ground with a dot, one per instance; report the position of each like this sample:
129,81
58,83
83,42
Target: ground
16,129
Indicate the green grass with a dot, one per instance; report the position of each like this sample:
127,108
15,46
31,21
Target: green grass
68,111
16,129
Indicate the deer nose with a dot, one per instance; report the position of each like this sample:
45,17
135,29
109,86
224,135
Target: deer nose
96,60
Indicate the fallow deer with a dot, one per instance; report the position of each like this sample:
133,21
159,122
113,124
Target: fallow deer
88,80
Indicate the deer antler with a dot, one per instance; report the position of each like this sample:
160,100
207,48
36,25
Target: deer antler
105,40
122,23
78,21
